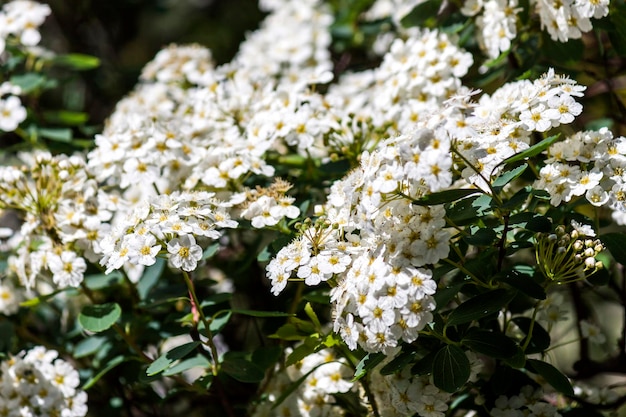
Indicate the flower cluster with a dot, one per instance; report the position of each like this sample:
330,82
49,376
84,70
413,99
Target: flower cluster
375,242
501,124
39,383
587,163
168,223
324,374
12,113
565,256
267,206
529,402
498,20
65,214
19,20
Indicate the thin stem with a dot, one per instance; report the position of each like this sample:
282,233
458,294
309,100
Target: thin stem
205,322
531,327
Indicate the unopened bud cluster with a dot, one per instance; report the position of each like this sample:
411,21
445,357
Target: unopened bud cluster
567,256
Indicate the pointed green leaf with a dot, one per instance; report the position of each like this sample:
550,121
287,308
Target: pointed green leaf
97,318
165,360
480,306
508,176
150,278
219,321
552,375
259,313
446,196
451,368
241,369
310,345
398,363
210,251
494,344
540,339
198,361
88,346
616,244
533,150
366,364
78,62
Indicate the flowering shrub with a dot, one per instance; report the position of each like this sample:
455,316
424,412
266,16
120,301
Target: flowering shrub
290,234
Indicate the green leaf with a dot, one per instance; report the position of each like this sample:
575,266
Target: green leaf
150,278
58,134
310,345
220,320
88,346
508,176
165,360
241,369
259,313
210,251
446,196
311,314
97,318
451,368
422,14
552,375
33,302
266,356
366,364
65,117
532,151
198,361
480,306
494,344
112,364
398,363
424,366
97,282
616,244
265,255
531,221
288,332
28,82
481,237
540,339
78,62
517,361
525,283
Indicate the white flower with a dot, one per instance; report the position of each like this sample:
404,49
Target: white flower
12,113
67,269
592,332
184,253
143,250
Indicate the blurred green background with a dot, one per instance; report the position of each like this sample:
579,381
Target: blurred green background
126,34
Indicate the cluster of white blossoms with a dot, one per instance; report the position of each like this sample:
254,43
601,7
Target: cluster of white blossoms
590,164
169,224
324,374
64,216
12,113
295,43
19,20
497,24
497,20
501,124
530,402
375,243
39,383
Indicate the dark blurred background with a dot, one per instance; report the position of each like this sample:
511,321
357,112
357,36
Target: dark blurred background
126,34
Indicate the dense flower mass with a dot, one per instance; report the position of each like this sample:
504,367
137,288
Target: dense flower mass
39,383
408,242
